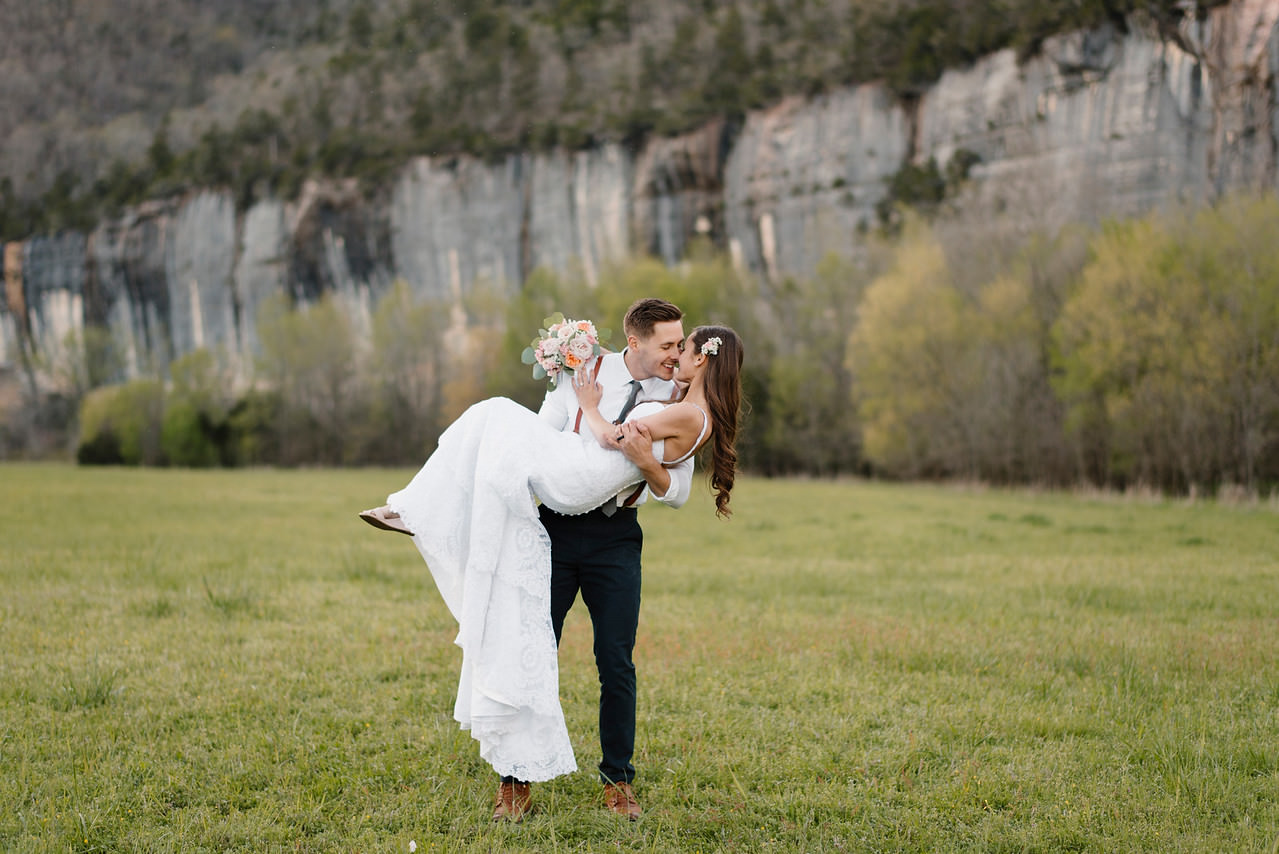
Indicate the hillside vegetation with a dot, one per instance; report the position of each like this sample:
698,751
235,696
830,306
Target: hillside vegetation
1145,353
109,102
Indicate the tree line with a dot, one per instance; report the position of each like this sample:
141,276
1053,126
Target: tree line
353,88
1141,353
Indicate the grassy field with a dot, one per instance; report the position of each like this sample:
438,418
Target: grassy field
231,661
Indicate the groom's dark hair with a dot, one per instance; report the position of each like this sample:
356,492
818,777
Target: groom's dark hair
645,313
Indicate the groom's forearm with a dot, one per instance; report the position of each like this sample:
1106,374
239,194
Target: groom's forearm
681,485
671,486
657,476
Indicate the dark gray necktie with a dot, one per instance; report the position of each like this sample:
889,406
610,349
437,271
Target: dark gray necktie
610,506
630,402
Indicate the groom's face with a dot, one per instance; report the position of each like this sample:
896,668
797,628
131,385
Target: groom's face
658,354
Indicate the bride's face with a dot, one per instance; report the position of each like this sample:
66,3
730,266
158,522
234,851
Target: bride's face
690,361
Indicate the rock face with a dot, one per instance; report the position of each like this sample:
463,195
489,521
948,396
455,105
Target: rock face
1097,126
804,178
1101,123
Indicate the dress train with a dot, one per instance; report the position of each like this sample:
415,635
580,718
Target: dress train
472,509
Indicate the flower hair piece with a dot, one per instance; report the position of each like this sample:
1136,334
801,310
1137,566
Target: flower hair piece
710,347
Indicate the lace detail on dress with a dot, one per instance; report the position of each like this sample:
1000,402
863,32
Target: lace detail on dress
472,511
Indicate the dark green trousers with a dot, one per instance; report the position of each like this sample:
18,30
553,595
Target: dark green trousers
599,557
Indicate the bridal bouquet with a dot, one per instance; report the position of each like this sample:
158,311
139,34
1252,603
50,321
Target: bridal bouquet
563,345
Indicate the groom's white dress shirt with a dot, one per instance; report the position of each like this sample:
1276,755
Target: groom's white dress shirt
559,409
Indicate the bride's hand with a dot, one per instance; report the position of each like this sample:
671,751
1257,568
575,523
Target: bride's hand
587,390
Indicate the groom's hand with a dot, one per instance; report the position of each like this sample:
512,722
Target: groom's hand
614,438
636,443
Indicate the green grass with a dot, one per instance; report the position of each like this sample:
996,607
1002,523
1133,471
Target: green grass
231,661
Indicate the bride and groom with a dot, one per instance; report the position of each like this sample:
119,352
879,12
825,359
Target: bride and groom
516,514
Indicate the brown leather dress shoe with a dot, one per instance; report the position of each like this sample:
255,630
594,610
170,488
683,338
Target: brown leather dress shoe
619,798
514,801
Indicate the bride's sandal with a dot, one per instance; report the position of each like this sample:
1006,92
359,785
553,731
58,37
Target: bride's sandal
386,519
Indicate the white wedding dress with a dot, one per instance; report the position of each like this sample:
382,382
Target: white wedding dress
472,512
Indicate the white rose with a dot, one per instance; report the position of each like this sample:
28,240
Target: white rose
582,348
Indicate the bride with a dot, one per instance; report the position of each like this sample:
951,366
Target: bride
472,512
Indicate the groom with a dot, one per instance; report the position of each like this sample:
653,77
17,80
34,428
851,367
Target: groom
598,553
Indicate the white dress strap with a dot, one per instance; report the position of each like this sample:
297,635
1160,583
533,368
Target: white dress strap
706,425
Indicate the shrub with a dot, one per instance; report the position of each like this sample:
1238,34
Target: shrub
187,436
101,449
124,421
254,429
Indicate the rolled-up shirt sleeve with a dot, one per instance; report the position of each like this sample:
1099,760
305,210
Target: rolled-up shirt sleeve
681,485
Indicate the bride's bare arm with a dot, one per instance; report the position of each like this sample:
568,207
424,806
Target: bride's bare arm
670,423
589,393
677,422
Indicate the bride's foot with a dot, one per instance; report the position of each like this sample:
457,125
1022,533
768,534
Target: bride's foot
385,518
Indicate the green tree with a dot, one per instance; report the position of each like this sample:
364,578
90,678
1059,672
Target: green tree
1234,249
430,21
62,207
13,218
210,162
196,431
159,154
308,357
727,87
1013,417
1169,349
359,25
406,375
812,424
482,25
913,364
255,434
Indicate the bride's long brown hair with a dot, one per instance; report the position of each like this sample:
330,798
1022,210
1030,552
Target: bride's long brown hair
723,387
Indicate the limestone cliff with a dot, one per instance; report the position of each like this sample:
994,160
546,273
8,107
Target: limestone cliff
1100,123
